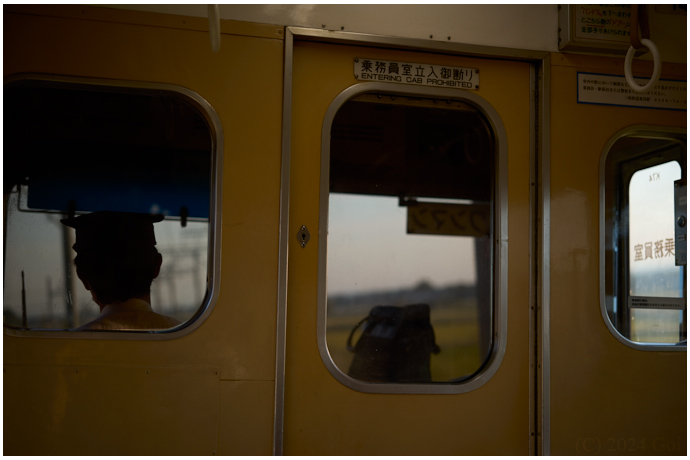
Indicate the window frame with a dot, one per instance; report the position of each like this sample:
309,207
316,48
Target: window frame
607,282
215,201
500,241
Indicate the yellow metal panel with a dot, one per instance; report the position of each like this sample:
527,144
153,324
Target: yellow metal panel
606,398
96,410
243,83
322,416
246,419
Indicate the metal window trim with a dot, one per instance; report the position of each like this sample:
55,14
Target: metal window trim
658,132
500,269
215,206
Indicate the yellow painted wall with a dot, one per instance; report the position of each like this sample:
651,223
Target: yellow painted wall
212,391
606,398
243,83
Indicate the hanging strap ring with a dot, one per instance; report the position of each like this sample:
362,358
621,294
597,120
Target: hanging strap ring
655,74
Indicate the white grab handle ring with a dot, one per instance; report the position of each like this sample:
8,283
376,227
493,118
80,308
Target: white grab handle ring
655,74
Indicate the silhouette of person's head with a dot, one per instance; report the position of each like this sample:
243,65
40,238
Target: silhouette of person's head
116,255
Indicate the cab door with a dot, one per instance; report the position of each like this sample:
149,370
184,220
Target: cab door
329,412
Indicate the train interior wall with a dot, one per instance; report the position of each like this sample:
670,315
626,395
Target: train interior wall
212,391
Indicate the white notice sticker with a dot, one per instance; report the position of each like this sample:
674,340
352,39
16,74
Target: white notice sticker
603,23
440,76
660,303
600,89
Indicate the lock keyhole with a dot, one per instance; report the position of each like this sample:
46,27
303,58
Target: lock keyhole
303,236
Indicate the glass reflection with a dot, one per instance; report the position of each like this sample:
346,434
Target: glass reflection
409,240
376,263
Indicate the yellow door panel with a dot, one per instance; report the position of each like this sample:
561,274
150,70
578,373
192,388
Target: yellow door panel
323,416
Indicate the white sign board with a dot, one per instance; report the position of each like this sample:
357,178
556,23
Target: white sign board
605,23
601,89
439,76
658,303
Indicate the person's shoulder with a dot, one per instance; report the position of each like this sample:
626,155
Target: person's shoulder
167,321
99,324
129,320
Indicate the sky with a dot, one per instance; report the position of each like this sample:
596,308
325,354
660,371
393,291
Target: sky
369,249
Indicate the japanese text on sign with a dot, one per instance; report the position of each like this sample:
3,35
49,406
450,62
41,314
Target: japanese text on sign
416,74
609,23
660,303
614,90
448,219
654,250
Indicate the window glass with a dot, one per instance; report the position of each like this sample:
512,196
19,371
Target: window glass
409,239
653,272
645,289
116,157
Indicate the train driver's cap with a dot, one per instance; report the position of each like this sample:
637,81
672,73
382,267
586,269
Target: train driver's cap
111,229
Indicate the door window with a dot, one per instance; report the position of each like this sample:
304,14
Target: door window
646,287
410,228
